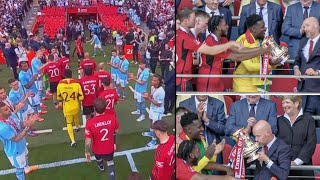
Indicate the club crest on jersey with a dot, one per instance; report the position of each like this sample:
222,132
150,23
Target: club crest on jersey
159,164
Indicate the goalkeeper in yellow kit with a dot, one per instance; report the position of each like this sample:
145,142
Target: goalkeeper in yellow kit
70,93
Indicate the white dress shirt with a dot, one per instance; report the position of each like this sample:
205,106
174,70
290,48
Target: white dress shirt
305,49
216,13
264,14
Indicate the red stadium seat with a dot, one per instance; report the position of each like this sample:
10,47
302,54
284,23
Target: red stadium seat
228,101
284,85
226,152
236,6
278,102
315,157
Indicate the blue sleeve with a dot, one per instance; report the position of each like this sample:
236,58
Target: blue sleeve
145,77
273,118
288,27
6,132
23,79
13,98
230,127
217,121
242,23
160,97
126,66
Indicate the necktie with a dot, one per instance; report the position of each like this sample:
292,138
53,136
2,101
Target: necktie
252,113
212,13
260,13
310,48
305,13
266,149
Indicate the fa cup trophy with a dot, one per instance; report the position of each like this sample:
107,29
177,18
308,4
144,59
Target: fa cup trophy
250,148
276,50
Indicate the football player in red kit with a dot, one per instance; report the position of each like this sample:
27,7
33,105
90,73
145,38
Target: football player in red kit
110,95
90,86
87,62
100,136
102,74
64,64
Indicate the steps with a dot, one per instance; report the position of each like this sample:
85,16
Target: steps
31,17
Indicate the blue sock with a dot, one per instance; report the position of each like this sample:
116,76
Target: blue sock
20,174
94,51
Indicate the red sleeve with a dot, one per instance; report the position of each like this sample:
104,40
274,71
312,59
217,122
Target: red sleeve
88,133
116,97
223,40
45,69
191,43
184,171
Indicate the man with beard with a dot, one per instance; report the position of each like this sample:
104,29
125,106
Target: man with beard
218,29
188,156
193,130
251,39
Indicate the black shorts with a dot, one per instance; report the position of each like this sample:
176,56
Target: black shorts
53,87
106,157
87,110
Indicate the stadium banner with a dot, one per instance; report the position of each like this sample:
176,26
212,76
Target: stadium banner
128,52
84,10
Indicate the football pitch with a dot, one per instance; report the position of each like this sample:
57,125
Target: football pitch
52,151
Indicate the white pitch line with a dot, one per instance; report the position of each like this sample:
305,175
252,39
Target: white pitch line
74,127
43,131
80,160
132,164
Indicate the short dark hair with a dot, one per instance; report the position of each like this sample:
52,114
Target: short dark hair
11,81
180,110
87,70
23,62
68,73
121,53
185,149
51,57
159,78
184,14
105,81
214,22
188,119
252,20
100,105
160,126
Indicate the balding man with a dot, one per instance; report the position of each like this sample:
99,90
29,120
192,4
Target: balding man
307,62
274,159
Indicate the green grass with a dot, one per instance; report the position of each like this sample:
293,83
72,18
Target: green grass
55,146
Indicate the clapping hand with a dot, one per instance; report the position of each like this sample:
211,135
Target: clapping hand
220,147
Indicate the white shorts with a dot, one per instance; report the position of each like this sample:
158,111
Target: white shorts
122,82
35,100
23,116
39,84
155,116
138,97
114,77
97,46
19,161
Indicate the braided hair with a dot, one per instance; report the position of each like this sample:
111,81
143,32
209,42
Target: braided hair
185,149
214,22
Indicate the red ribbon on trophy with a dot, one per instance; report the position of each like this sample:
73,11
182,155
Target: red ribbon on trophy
265,70
236,161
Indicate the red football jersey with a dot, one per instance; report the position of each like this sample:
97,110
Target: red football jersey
88,62
101,129
184,171
64,64
79,46
163,167
90,87
53,71
186,44
111,97
212,65
101,75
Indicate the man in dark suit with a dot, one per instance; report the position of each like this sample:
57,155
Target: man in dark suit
211,111
271,14
247,112
11,58
212,8
308,62
296,13
275,158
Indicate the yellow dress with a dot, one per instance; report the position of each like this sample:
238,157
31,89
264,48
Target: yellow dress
249,66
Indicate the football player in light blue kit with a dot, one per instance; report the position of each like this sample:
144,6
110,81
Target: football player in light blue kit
36,68
12,136
28,79
97,44
122,79
114,63
139,88
156,99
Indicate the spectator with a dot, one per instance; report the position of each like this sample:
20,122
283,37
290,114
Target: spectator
11,59
297,130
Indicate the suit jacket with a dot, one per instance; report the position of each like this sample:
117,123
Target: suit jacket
216,115
275,18
226,13
301,137
308,85
292,23
11,56
239,114
280,154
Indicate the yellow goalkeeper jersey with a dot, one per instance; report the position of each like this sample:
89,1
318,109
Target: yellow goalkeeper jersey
69,91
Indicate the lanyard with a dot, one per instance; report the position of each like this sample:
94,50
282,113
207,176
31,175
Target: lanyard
11,123
152,92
